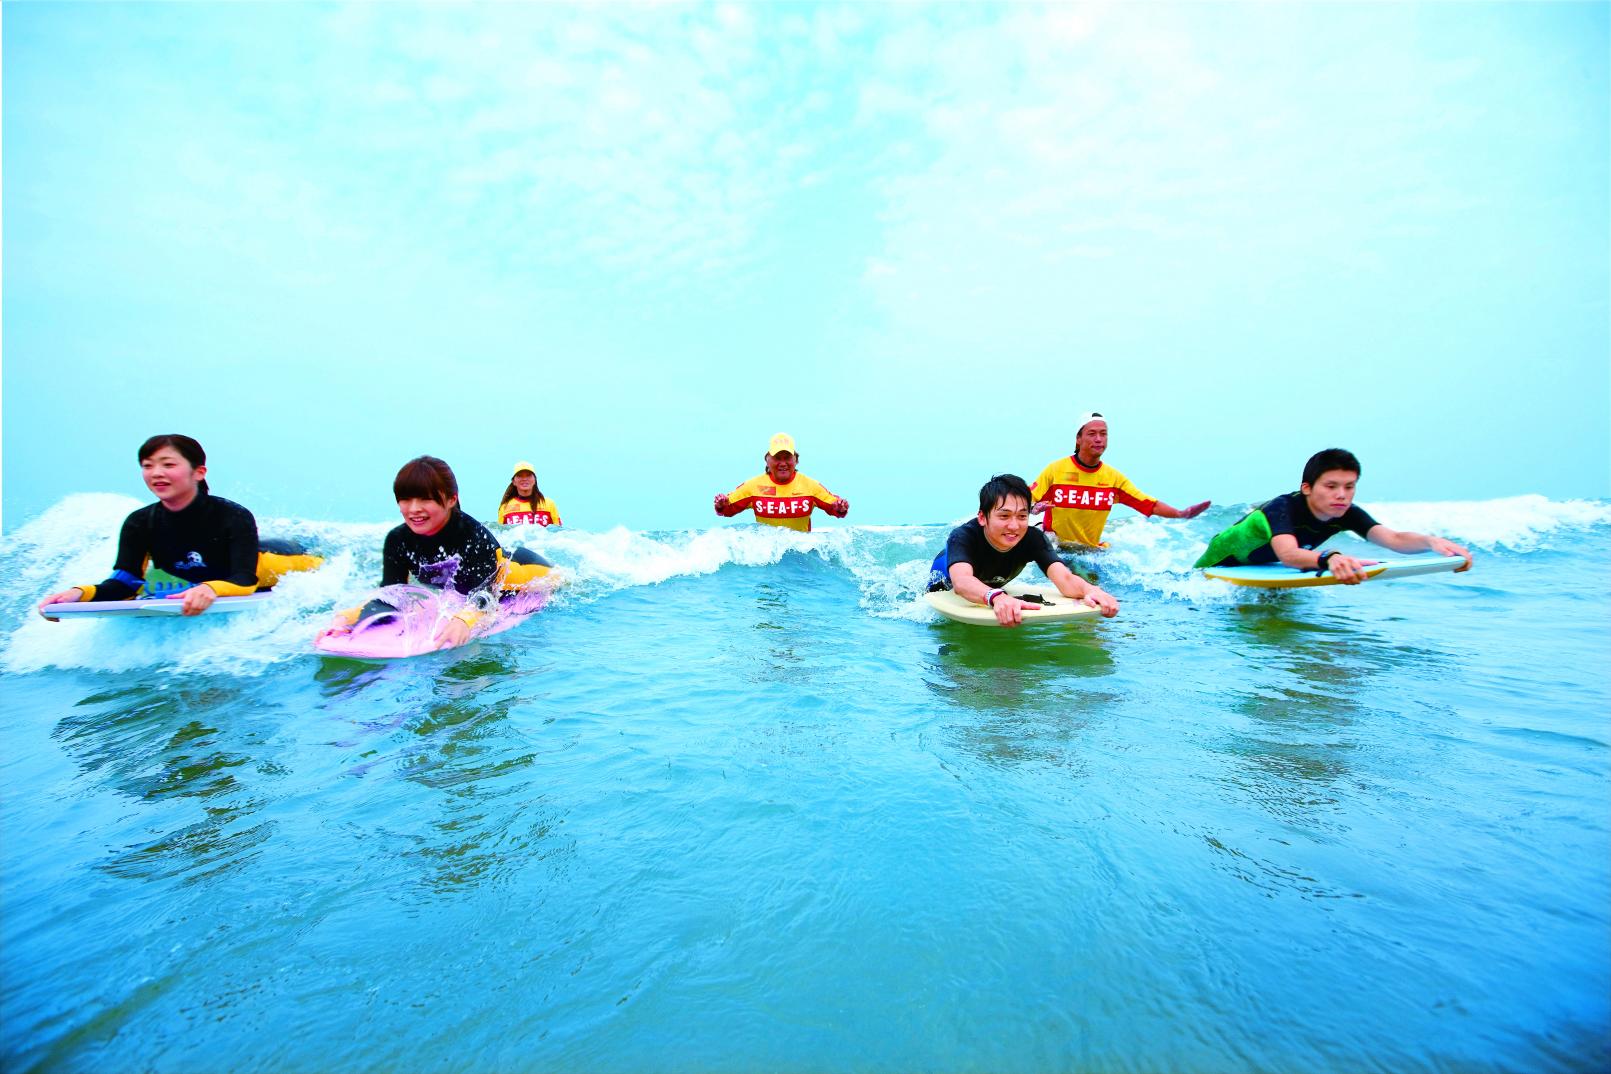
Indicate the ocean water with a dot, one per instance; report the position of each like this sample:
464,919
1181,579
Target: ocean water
736,800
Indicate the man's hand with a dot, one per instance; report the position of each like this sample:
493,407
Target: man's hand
1346,569
1195,509
1096,597
1009,610
721,504
1449,548
840,508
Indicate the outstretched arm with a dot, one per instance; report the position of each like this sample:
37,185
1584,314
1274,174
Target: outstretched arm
1164,510
1074,587
1406,541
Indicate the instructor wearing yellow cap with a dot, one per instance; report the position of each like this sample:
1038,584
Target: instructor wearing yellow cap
782,496
1077,493
523,503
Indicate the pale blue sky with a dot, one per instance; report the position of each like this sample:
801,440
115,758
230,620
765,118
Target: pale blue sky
630,242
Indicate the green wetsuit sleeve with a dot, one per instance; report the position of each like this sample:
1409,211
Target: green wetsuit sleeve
1236,544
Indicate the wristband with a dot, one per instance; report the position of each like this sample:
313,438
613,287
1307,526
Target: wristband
990,597
1320,564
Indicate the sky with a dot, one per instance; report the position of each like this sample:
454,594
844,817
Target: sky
629,242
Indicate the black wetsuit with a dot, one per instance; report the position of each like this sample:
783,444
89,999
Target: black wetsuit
967,544
462,556
1247,543
211,540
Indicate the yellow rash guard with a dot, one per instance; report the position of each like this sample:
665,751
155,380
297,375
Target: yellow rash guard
516,512
1079,498
780,505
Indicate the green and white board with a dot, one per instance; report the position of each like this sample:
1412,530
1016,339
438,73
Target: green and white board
1280,576
1053,607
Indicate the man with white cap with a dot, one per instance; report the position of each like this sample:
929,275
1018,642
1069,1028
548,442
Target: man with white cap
782,496
1077,493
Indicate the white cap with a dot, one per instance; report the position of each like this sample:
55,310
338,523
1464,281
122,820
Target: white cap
1086,419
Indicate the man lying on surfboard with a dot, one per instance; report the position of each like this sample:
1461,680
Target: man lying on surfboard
1290,528
985,553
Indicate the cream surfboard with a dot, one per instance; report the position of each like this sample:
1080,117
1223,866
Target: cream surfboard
1045,605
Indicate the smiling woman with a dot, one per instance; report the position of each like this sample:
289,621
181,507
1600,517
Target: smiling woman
189,545
441,547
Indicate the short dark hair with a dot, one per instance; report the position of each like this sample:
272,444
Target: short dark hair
1333,458
426,478
999,488
187,447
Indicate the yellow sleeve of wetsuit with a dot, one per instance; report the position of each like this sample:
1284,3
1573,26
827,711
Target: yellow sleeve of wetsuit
87,591
230,589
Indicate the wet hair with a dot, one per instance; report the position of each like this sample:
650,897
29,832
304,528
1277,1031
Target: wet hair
512,493
999,489
187,447
1333,458
426,478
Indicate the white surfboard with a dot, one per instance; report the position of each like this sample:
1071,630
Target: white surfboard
153,606
1053,606
1280,576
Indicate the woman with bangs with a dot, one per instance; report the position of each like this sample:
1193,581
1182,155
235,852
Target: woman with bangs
523,503
441,547
190,545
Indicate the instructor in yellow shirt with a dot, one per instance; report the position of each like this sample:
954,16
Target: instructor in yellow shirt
782,496
1077,493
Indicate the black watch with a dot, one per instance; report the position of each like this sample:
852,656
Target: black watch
1320,564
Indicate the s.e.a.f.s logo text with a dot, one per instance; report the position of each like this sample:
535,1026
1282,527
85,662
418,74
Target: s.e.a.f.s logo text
1080,498
528,518
782,506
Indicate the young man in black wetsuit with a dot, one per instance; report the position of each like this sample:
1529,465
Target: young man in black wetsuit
1289,529
986,553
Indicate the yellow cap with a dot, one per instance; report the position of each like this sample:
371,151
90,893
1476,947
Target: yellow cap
781,442
522,465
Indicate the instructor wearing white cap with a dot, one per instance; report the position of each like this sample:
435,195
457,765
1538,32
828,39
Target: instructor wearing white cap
1077,493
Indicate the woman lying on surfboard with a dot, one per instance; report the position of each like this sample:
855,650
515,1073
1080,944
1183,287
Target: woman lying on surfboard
190,545
441,547
1290,528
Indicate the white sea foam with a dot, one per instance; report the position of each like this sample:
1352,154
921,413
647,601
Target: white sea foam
76,541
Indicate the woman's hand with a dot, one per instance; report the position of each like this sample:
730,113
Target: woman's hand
453,633
196,599
66,596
